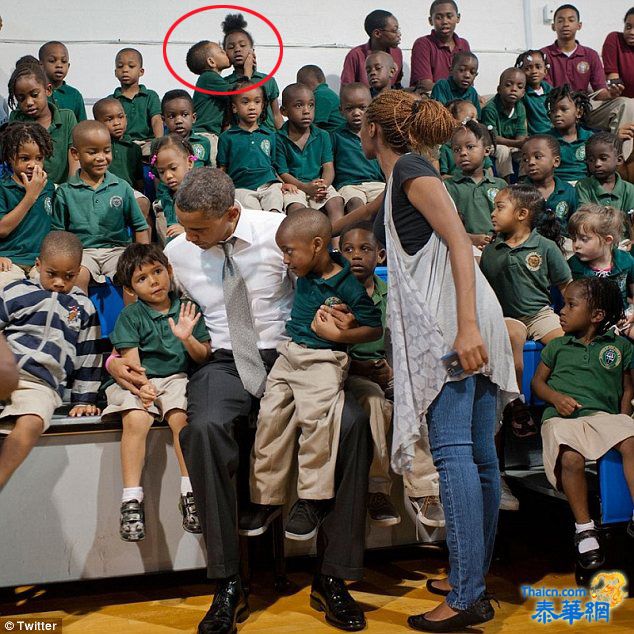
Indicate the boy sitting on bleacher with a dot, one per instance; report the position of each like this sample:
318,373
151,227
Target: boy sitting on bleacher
52,329
584,376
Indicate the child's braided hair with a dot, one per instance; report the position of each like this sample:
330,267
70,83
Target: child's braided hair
19,132
602,294
170,140
527,56
24,67
580,99
409,122
480,132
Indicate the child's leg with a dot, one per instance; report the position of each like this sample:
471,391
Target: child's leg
334,208
136,425
573,482
18,444
553,334
248,198
83,279
517,335
177,419
626,449
353,203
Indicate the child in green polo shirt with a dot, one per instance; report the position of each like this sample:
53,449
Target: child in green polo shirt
459,85
304,389
534,65
246,152
541,156
604,186
55,61
30,89
163,335
177,110
358,179
472,190
521,265
142,106
506,114
239,46
595,231
380,69
25,199
585,379
567,111
327,107
97,206
304,157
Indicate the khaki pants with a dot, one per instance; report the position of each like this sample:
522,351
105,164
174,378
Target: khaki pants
422,480
17,272
213,143
504,160
301,198
268,197
304,391
611,115
379,410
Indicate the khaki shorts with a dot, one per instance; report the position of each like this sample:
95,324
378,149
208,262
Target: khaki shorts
268,197
367,192
30,397
146,147
301,198
539,325
213,143
102,263
172,395
17,272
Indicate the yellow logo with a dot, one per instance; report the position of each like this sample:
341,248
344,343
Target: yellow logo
534,261
610,587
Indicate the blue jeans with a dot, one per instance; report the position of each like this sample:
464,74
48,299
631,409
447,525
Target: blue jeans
461,423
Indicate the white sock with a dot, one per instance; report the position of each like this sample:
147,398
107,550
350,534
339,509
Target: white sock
589,543
186,485
132,493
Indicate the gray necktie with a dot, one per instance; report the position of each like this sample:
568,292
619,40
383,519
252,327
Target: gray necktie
244,341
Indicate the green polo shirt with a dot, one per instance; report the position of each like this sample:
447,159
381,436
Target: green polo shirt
22,245
475,200
562,202
248,156
202,149
101,217
590,190
69,98
591,374
373,350
511,126
573,155
139,110
210,109
271,92
166,197
446,90
521,276
312,291
161,352
327,114
351,165
304,164
61,131
448,162
537,117
127,162
622,271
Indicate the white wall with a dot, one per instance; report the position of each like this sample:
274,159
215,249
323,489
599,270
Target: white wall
318,32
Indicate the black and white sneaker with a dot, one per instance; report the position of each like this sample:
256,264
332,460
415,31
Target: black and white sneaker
187,506
255,519
305,518
381,510
132,521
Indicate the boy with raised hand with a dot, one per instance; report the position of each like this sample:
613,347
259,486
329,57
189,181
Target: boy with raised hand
142,106
380,68
459,84
52,329
432,54
327,113
54,59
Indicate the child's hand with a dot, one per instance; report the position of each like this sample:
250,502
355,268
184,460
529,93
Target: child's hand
615,90
322,190
187,319
34,186
480,240
324,326
174,230
565,405
5,264
84,410
147,394
341,315
249,64
382,373
626,132
313,188
289,188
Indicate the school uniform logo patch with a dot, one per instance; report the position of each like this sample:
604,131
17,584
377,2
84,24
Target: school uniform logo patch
580,153
73,314
561,210
116,201
583,67
610,357
265,146
199,150
534,261
48,205
492,192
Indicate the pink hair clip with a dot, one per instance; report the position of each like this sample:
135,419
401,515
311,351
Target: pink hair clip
153,159
151,175
192,157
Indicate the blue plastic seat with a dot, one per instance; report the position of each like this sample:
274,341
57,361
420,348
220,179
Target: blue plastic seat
381,271
616,502
108,300
532,356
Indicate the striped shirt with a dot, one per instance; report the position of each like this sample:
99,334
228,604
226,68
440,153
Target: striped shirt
53,337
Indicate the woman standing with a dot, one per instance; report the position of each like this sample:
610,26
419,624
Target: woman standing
440,303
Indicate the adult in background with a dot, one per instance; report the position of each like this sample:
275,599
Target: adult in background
227,261
440,303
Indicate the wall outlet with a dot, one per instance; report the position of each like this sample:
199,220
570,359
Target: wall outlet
548,13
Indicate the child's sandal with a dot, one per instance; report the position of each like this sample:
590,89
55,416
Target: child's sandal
132,522
518,415
187,506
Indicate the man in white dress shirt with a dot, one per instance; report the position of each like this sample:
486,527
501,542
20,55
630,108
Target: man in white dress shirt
218,402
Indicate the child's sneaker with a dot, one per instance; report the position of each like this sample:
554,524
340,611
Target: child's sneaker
187,506
305,518
381,510
132,523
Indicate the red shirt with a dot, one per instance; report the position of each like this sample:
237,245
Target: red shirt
582,70
431,58
354,65
618,58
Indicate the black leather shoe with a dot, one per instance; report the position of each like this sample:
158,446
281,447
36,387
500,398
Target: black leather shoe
435,589
228,608
592,559
479,612
255,519
330,595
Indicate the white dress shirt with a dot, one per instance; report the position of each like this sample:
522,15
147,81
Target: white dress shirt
199,273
